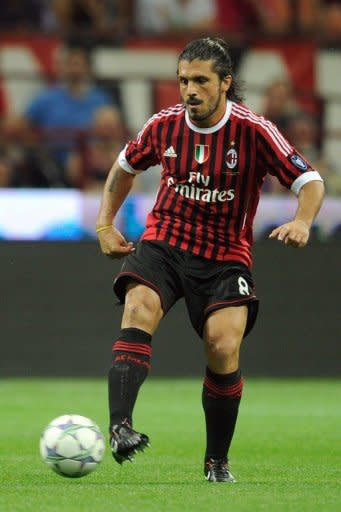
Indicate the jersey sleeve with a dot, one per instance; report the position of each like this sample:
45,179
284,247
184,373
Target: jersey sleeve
278,157
141,153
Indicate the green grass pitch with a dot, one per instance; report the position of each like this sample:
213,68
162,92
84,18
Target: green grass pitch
285,454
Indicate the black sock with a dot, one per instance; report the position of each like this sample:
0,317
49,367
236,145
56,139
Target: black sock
220,399
131,363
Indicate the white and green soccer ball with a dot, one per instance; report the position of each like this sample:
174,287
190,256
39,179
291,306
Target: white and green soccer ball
72,445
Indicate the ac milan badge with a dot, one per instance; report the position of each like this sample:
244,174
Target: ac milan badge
231,158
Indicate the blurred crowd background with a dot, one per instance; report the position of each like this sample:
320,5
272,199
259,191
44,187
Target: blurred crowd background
76,79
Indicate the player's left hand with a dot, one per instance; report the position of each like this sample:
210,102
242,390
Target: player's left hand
294,233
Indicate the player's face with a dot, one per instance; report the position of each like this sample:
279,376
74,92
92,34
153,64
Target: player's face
202,91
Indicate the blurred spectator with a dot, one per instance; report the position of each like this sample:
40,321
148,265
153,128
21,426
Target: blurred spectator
6,165
89,22
88,167
64,110
280,104
167,17
320,17
303,133
23,161
5,173
250,17
19,15
275,16
6,159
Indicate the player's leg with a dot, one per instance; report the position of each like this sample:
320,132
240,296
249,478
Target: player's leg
148,285
131,363
223,333
223,308
132,350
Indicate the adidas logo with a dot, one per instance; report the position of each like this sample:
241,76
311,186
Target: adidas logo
170,152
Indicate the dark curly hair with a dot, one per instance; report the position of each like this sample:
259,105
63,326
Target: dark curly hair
216,49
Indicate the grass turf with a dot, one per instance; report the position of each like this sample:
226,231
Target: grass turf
285,454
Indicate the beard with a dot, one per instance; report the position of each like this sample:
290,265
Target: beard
202,115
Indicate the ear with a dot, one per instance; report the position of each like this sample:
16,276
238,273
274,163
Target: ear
226,83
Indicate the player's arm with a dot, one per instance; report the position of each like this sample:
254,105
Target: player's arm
116,189
137,156
294,172
296,232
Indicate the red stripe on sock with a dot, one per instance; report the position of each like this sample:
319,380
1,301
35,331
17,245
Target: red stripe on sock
138,348
224,392
234,391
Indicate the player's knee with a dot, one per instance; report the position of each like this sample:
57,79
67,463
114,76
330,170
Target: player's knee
223,346
141,306
137,311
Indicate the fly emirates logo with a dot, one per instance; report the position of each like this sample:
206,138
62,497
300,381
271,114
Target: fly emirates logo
197,188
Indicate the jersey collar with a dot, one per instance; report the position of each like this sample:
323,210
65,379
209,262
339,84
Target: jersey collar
213,128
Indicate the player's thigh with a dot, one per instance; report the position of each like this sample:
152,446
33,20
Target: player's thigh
142,309
222,286
223,334
224,329
155,268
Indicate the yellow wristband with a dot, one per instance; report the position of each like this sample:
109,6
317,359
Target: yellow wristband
103,228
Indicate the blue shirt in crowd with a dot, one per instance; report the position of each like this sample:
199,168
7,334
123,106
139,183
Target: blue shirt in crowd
61,115
56,107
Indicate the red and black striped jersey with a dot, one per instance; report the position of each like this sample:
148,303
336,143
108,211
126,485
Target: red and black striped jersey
211,178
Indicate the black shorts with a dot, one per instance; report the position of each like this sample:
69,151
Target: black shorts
206,285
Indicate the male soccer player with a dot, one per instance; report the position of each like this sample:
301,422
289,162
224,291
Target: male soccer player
215,154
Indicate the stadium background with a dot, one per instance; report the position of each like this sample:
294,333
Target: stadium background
57,310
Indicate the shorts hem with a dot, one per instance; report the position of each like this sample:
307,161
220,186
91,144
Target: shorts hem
252,311
136,277
227,303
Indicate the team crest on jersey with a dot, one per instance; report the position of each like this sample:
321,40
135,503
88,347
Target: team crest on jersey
231,158
201,153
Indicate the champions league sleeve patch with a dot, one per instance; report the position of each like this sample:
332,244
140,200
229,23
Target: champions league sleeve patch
299,162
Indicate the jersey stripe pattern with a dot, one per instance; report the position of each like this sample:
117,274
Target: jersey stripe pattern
211,178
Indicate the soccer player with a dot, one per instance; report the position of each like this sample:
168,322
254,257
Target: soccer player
215,154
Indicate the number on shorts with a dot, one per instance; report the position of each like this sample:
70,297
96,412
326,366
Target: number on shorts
243,286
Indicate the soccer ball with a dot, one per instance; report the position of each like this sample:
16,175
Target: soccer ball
72,445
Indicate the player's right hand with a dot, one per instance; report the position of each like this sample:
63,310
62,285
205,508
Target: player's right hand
113,244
